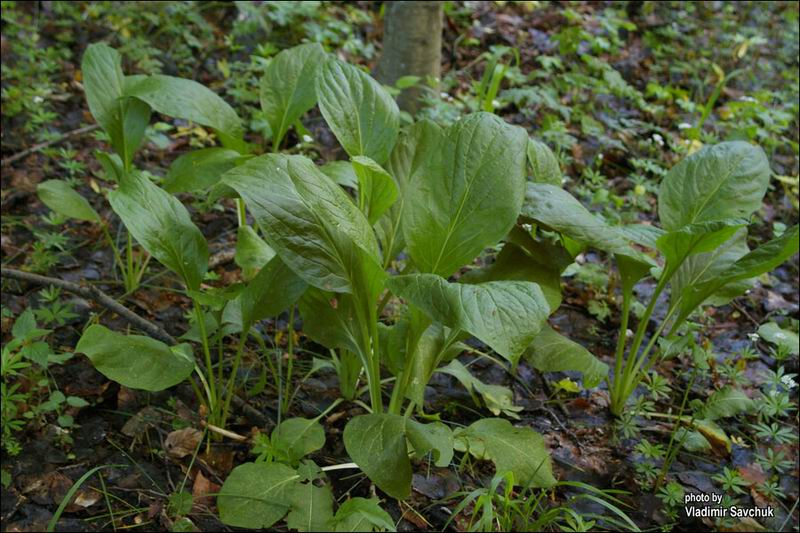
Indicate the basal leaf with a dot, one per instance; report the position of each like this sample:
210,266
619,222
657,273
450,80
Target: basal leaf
362,514
361,114
287,87
773,333
295,438
161,224
256,495
720,182
725,402
310,222
376,188
552,352
311,508
519,450
497,398
544,164
273,290
200,169
434,437
377,444
252,252
329,318
506,315
467,194
64,200
694,239
136,361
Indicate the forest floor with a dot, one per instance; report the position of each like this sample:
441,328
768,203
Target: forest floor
620,92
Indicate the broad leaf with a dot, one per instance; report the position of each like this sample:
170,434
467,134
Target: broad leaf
377,444
310,222
497,398
200,169
359,111
724,403
136,361
287,87
295,438
123,119
519,450
434,437
694,239
772,332
252,252
376,188
256,495
189,100
161,224
64,200
361,514
329,318
559,210
341,172
466,195
544,164
506,315
274,289
720,182
311,508
552,352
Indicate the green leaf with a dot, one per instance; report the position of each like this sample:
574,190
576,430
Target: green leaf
720,182
519,450
341,172
274,289
64,200
467,194
359,111
136,361
361,514
694,239
295,438
161,224
376,188
252,253
329,318
377,444
434,437
189,100
506,315
123,119
544,164
256,495
287,87
311,508
552,352
24,324
498,399
772,332
559,210
200,169
310,222
724,403
763,259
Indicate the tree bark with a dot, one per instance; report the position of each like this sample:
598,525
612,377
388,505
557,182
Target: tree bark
412,46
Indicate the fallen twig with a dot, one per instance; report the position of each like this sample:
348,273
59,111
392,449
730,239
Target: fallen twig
155,331
47,144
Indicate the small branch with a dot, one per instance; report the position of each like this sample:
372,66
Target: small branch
42,146
95,294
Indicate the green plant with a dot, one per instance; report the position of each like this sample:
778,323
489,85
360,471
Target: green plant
704,204
731,480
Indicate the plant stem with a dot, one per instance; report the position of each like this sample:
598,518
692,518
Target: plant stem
290,361
232,378
201,325
670,457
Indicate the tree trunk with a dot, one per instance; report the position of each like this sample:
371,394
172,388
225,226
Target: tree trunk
412,46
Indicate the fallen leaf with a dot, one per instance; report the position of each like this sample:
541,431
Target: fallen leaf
182,442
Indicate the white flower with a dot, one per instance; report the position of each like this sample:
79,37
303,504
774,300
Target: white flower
748,99
38,99
658,139
527,227
307,138
753,337
684,126
788,382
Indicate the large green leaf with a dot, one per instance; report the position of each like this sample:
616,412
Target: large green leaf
552,352
274,289
256,495
519,450
785,338
189,100
123,119
377,444
544,164
434,437
252,252
161,224
720,182
64,200
467,193
311,508
359,111
506,315
361,514
693,239
497,398
310,222
136,361
329,318
200,169
295,438
377,190
725,402
287,87
559,210
763,259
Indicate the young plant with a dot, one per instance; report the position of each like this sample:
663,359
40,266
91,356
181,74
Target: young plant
704,205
